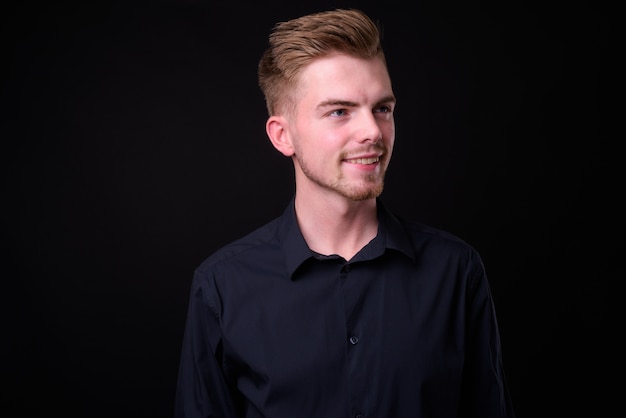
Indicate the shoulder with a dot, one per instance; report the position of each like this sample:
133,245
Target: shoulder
439,250
429,241
253,246
419,232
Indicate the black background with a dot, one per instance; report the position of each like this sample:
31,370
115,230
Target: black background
134,145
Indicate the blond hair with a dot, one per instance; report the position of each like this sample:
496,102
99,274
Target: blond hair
294,44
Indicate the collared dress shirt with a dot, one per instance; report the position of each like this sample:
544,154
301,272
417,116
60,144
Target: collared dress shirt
405,329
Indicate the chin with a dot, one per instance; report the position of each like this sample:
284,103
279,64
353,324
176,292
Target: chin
365,194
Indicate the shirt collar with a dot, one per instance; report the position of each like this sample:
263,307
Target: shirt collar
396,237
294,246
391,235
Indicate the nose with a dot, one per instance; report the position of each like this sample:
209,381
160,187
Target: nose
369,128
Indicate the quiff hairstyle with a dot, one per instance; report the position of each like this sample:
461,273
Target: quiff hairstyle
294,44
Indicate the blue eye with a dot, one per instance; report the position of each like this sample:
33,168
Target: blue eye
338,112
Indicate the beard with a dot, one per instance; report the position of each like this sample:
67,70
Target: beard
368,187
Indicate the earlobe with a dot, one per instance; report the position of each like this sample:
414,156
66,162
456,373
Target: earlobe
276,128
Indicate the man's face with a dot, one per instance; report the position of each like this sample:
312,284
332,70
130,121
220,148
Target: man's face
342,131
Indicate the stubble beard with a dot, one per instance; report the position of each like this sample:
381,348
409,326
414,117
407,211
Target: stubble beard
371,186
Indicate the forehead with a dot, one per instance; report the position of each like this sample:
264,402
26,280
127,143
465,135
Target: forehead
345,77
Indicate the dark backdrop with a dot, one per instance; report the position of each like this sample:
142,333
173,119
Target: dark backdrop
133,145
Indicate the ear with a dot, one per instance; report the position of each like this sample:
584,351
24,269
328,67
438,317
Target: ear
276,128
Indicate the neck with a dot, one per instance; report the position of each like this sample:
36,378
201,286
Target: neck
336,225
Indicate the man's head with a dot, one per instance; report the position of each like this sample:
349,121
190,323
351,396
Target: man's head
331,104
296,43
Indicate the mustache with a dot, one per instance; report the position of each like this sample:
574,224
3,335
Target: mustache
376,148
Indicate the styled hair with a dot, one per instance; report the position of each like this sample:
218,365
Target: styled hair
294,44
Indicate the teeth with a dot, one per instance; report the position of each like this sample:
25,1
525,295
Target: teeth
370,160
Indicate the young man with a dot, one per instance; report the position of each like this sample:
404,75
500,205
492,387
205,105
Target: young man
338,308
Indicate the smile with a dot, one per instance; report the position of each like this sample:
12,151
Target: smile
369,160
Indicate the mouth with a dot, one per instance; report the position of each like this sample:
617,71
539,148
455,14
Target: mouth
365,160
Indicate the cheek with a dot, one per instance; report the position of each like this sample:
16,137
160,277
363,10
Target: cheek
389,151
389,129
389,136
389,144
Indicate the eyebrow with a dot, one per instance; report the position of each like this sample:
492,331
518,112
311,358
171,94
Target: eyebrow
338,102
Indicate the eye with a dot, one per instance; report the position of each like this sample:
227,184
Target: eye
384,109
338,113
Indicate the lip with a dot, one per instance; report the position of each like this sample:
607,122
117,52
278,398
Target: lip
368,159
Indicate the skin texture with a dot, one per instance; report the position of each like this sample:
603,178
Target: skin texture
340,138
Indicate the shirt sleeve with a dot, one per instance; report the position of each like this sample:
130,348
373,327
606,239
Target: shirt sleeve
202,390
485,391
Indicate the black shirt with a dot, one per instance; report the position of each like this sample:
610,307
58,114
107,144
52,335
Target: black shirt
406,328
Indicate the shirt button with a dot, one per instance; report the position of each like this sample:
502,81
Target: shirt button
359,416
347,268
353,340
